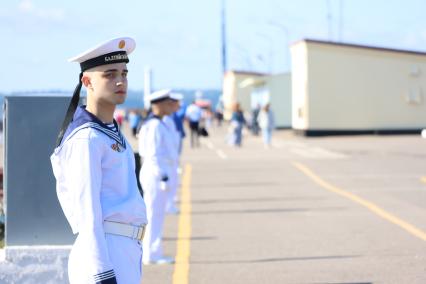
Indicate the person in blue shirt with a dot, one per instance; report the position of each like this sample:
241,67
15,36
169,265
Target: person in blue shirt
237,123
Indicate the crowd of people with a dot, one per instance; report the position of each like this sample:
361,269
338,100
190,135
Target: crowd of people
201,118
262,118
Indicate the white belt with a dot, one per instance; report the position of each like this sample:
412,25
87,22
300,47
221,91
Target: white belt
159,161
126,230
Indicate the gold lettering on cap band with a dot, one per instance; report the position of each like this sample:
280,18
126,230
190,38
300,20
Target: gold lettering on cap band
110,58
116,57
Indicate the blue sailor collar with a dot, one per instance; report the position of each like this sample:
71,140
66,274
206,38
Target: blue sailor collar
84,119
151,116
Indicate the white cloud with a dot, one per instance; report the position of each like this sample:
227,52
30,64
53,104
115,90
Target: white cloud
50,14
26,6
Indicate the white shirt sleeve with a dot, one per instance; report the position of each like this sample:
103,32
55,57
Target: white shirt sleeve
160,150
154,148
84,171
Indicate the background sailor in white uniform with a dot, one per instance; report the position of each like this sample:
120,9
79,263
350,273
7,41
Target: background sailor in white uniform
157,150
94,168
175,137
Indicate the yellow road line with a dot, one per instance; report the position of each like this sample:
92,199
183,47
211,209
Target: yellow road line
181,271
423,179
369,205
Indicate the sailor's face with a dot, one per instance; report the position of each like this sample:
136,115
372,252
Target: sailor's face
170,106
166,106
175,106
109,83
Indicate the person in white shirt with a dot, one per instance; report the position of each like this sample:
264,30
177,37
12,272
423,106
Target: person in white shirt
193,114
157,151
94,168
266,123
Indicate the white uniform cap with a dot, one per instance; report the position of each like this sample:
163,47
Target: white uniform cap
158,96
176,96
109,52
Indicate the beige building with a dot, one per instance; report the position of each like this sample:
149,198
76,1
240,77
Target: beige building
352,88
250,89
232,93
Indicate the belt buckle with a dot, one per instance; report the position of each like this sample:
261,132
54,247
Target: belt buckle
141,233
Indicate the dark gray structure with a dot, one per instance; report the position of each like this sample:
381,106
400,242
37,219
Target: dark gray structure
33,212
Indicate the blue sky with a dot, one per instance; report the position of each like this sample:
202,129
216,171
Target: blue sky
180,40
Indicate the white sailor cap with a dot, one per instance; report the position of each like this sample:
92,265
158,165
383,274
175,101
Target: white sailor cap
159,96
109,52
176,96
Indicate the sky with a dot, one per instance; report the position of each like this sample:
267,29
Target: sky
181,40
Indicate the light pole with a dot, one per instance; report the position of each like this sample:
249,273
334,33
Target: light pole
223,31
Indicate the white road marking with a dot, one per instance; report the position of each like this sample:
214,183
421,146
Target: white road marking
210,145
221,154
317,153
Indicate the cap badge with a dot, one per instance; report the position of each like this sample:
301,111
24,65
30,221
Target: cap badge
121,44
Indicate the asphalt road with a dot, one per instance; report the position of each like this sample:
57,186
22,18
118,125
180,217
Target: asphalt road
348,209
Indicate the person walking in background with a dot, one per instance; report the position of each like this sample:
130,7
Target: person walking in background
134,120
207,117
267,124
254,121
237,123
156,149
218,113
193,114
119,116
179,117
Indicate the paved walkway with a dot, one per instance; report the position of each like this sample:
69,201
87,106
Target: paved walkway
346,209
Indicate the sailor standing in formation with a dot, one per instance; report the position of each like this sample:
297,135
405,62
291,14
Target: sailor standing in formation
94,168
175,136
157,150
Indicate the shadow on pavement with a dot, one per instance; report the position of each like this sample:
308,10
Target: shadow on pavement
173,239
262,260
257,200
344,283
268,210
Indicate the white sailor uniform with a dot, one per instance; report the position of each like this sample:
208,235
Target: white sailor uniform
96,185
156,150
174,138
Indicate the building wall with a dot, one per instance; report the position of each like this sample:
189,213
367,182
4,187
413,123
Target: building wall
352,88
280,98
232,93
279,86
228,96
299,86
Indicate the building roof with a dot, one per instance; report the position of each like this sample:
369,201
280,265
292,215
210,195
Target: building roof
247,73
361,46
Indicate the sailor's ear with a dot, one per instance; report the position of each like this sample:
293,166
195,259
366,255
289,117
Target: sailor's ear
86,80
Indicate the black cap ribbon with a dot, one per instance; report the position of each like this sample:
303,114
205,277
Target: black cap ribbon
70,112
